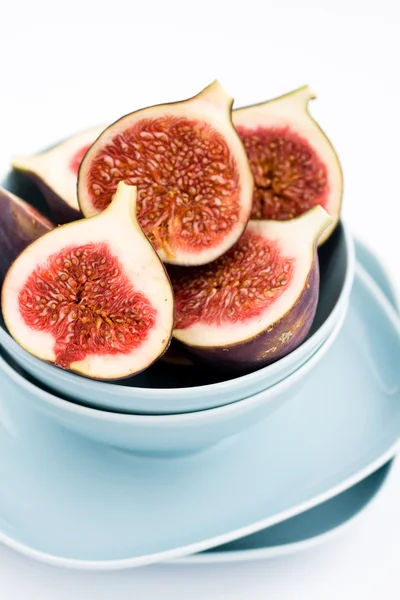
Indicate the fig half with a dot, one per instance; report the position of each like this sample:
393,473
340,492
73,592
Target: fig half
56,171
194,181
256,303
20,224
294,165
92,296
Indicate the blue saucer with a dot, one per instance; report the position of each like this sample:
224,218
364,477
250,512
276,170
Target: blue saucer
69,502
311,528
318,524
368,260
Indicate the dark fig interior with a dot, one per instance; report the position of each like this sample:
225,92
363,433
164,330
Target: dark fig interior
333,267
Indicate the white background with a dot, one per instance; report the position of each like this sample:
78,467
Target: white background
68,65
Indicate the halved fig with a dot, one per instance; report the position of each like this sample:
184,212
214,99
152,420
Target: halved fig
256,303
194,181
294,165
20,224
92,296
56,171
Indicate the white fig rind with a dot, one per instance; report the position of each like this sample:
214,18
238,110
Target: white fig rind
291,110
50,170
118,228
297,239
212,105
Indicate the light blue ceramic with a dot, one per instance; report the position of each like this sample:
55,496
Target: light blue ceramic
170,389
310,528
368,260
318,524
155,435
70,502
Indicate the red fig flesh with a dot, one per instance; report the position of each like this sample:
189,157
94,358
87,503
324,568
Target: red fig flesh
55,172
20,224
194,181
92,296
256,303
293,163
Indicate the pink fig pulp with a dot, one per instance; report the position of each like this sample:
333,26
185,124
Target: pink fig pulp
294,165
92,296
194,181
256,303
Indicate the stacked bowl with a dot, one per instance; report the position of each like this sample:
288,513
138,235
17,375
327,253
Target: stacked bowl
184,456
175,409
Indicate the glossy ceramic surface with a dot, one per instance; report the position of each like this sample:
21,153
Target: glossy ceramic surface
160,435
170,389
318,524
368,261
309,529
73,503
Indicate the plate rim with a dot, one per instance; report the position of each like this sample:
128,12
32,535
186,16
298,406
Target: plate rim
165,556
224,386
291,547
314,540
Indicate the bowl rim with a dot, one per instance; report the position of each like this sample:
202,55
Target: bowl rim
91,386
174,418
361,474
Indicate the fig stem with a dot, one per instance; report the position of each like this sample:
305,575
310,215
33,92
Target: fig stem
216,95
123,203
308,227
312,223
302,95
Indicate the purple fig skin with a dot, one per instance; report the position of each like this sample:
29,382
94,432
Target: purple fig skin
272,344
20,225
62,212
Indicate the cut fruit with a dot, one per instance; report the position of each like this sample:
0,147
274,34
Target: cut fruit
92,296
56,171
294,165
256,303
194,181
20,224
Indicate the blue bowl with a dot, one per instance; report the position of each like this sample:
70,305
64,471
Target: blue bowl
171,389
157,435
